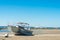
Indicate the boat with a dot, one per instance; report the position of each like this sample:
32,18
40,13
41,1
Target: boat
21,30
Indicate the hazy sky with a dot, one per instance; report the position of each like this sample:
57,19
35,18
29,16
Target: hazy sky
35,12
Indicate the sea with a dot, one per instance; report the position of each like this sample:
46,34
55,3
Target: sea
4,29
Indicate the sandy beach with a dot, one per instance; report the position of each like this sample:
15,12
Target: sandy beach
40,35
36,37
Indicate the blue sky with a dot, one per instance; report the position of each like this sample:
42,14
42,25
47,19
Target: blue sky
35,12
